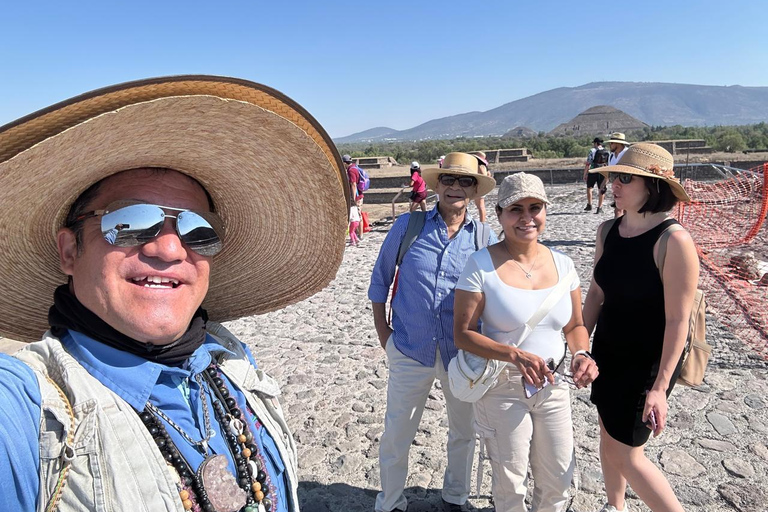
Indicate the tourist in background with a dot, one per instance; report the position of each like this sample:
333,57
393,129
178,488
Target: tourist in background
355,189
354,221
617,144
419,342
482,167
642,322
503,285
419,188
598,157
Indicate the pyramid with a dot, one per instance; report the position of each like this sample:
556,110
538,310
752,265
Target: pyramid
599,120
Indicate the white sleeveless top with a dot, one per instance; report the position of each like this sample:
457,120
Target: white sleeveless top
508,308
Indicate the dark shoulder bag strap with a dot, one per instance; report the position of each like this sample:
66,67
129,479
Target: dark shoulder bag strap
415,225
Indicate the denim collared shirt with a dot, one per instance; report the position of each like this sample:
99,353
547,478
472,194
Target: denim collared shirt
173,390
422,310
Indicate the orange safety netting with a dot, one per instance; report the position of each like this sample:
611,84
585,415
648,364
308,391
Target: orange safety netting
726,220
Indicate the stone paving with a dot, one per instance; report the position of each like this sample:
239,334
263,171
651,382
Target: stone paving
333,373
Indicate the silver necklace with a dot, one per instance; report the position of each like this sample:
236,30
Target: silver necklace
201,445
526,272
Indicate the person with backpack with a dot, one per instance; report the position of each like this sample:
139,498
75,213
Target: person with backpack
430,248
641,320
597,157
359,182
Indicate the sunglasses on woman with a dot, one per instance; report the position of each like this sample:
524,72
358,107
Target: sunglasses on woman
130,224
624,178
464,181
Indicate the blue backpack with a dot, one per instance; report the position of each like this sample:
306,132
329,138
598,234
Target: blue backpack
365,181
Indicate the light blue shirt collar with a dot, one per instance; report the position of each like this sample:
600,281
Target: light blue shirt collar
129,376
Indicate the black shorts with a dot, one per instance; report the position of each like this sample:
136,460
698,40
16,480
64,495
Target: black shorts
596,179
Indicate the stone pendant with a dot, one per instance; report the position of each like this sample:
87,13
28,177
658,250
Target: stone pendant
220,486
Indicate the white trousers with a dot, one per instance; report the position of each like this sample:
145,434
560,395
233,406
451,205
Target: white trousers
519,430
407,391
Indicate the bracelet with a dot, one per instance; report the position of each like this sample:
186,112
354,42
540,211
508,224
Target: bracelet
585,353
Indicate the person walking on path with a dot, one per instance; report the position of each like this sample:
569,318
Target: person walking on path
353,175
642,322
419,343
137,398
354,221
597,157
419,188
617,144
482,165
502,286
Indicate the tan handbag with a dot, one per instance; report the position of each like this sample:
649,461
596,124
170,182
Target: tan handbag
697,350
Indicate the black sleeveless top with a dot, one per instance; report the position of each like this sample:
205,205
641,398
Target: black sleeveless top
630,329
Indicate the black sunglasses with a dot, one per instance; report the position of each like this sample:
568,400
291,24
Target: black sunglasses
464,181
624,178
129,224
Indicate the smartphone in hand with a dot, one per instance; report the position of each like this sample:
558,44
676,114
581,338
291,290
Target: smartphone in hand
529,389
651,423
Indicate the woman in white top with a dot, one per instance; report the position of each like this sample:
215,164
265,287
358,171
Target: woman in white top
503,286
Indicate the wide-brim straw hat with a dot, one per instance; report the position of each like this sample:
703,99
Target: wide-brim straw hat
480,156
459,164
618,138
651,161
226,133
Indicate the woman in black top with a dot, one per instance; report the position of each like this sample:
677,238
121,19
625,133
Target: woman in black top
642,322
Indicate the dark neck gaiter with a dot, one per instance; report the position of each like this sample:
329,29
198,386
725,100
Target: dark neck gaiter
68,313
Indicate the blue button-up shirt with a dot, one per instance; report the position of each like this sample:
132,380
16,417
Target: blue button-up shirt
173,390
422,310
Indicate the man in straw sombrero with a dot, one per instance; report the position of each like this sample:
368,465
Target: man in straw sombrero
135,218
419,342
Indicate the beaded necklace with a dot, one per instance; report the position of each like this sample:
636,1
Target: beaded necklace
213,488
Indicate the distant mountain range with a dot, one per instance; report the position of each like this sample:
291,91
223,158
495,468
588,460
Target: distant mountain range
656,104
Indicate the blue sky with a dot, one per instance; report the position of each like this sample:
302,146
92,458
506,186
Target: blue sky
357,65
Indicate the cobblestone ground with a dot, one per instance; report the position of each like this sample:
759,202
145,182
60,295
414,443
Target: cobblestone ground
333,373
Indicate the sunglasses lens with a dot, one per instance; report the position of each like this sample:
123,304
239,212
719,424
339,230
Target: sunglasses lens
132,225
447,180
466,182
198,233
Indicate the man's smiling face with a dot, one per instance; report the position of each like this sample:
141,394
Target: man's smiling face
148,292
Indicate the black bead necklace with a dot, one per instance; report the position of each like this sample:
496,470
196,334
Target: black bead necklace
250,465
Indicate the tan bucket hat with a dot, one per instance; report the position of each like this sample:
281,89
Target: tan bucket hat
520,186
459,164
618,138
224,132
651,161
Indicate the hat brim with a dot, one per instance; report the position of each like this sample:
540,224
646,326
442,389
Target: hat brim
485,184
676,186
225,133
617,141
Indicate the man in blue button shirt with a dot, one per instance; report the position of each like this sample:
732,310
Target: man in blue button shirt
419,343
148,197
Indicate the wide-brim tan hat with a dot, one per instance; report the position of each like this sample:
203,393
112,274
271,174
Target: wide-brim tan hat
651,161
226,133
459,164
480,156
618,138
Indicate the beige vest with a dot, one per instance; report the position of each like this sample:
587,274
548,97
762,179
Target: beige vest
115,464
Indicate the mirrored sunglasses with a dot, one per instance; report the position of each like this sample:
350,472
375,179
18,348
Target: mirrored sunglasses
464,181
129,224
623,177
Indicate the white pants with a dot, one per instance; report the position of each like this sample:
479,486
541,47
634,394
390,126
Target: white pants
407,391
519,430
